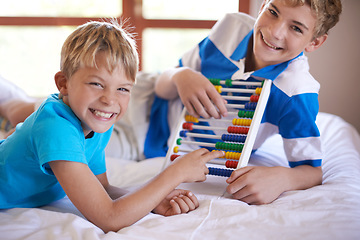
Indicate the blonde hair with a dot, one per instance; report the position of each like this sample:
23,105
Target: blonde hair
82,46
327,13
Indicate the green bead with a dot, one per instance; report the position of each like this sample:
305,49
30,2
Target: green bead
215,81
228,82
178,141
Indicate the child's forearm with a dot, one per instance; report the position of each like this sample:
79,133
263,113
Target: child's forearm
262,185
303,177
134,206
188,168
165,87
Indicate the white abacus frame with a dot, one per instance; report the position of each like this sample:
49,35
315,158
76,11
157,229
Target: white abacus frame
251,135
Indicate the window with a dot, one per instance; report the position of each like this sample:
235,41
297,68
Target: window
162,48
188,9
61,8
32,32
30,56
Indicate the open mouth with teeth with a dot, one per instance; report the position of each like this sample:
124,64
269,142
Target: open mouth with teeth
104,115
269,44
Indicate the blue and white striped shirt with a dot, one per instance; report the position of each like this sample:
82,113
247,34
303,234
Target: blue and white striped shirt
293,103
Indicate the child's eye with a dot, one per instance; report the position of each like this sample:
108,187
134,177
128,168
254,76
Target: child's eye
95,84
123,90
273,12
297,29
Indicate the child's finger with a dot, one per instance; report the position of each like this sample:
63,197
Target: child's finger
190,204
175,207
189,197
199,107
190,108
219,102
209,107
184,208
193,198
207,156
236,174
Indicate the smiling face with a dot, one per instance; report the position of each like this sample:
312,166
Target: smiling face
96,96
282,32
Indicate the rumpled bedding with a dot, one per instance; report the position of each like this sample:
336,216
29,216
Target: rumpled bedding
328,211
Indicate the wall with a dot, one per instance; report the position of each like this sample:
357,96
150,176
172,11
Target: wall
336,65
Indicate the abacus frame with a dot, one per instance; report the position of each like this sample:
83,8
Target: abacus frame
251,135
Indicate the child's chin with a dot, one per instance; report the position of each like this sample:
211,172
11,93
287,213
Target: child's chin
102,130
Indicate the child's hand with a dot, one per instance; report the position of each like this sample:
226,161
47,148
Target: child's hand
257,185
199,95
177,202
191,167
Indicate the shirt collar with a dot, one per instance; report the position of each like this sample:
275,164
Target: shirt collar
240,51
273,71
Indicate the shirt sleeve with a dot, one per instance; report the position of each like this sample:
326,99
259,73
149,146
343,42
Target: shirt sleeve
95,153
57,135
301,136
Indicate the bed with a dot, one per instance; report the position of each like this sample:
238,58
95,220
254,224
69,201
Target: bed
328,211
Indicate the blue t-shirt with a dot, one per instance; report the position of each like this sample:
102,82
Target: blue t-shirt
293,102
51,133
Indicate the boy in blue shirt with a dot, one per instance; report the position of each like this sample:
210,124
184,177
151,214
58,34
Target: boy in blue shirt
270,47
59,149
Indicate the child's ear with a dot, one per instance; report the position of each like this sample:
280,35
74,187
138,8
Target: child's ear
61,83
316,43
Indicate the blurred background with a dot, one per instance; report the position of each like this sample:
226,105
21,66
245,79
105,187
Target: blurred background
32,33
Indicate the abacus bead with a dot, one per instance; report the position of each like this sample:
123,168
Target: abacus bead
189,118
241,121
258,91
233,138
254,98
174,156
178,141
240,130
229,146
228,82
231,164
183,133
188,126
218,88
220,172
232,155
250,114
250,106
215,81
247,114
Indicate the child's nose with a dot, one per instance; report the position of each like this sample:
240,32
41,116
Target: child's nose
278,30
108,98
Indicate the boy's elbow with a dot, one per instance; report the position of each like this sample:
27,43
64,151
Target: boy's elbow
112,224
165,89
114,220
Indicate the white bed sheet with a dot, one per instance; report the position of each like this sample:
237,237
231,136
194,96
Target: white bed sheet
329,211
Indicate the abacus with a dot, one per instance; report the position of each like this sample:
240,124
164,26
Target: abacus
5,124
235,136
